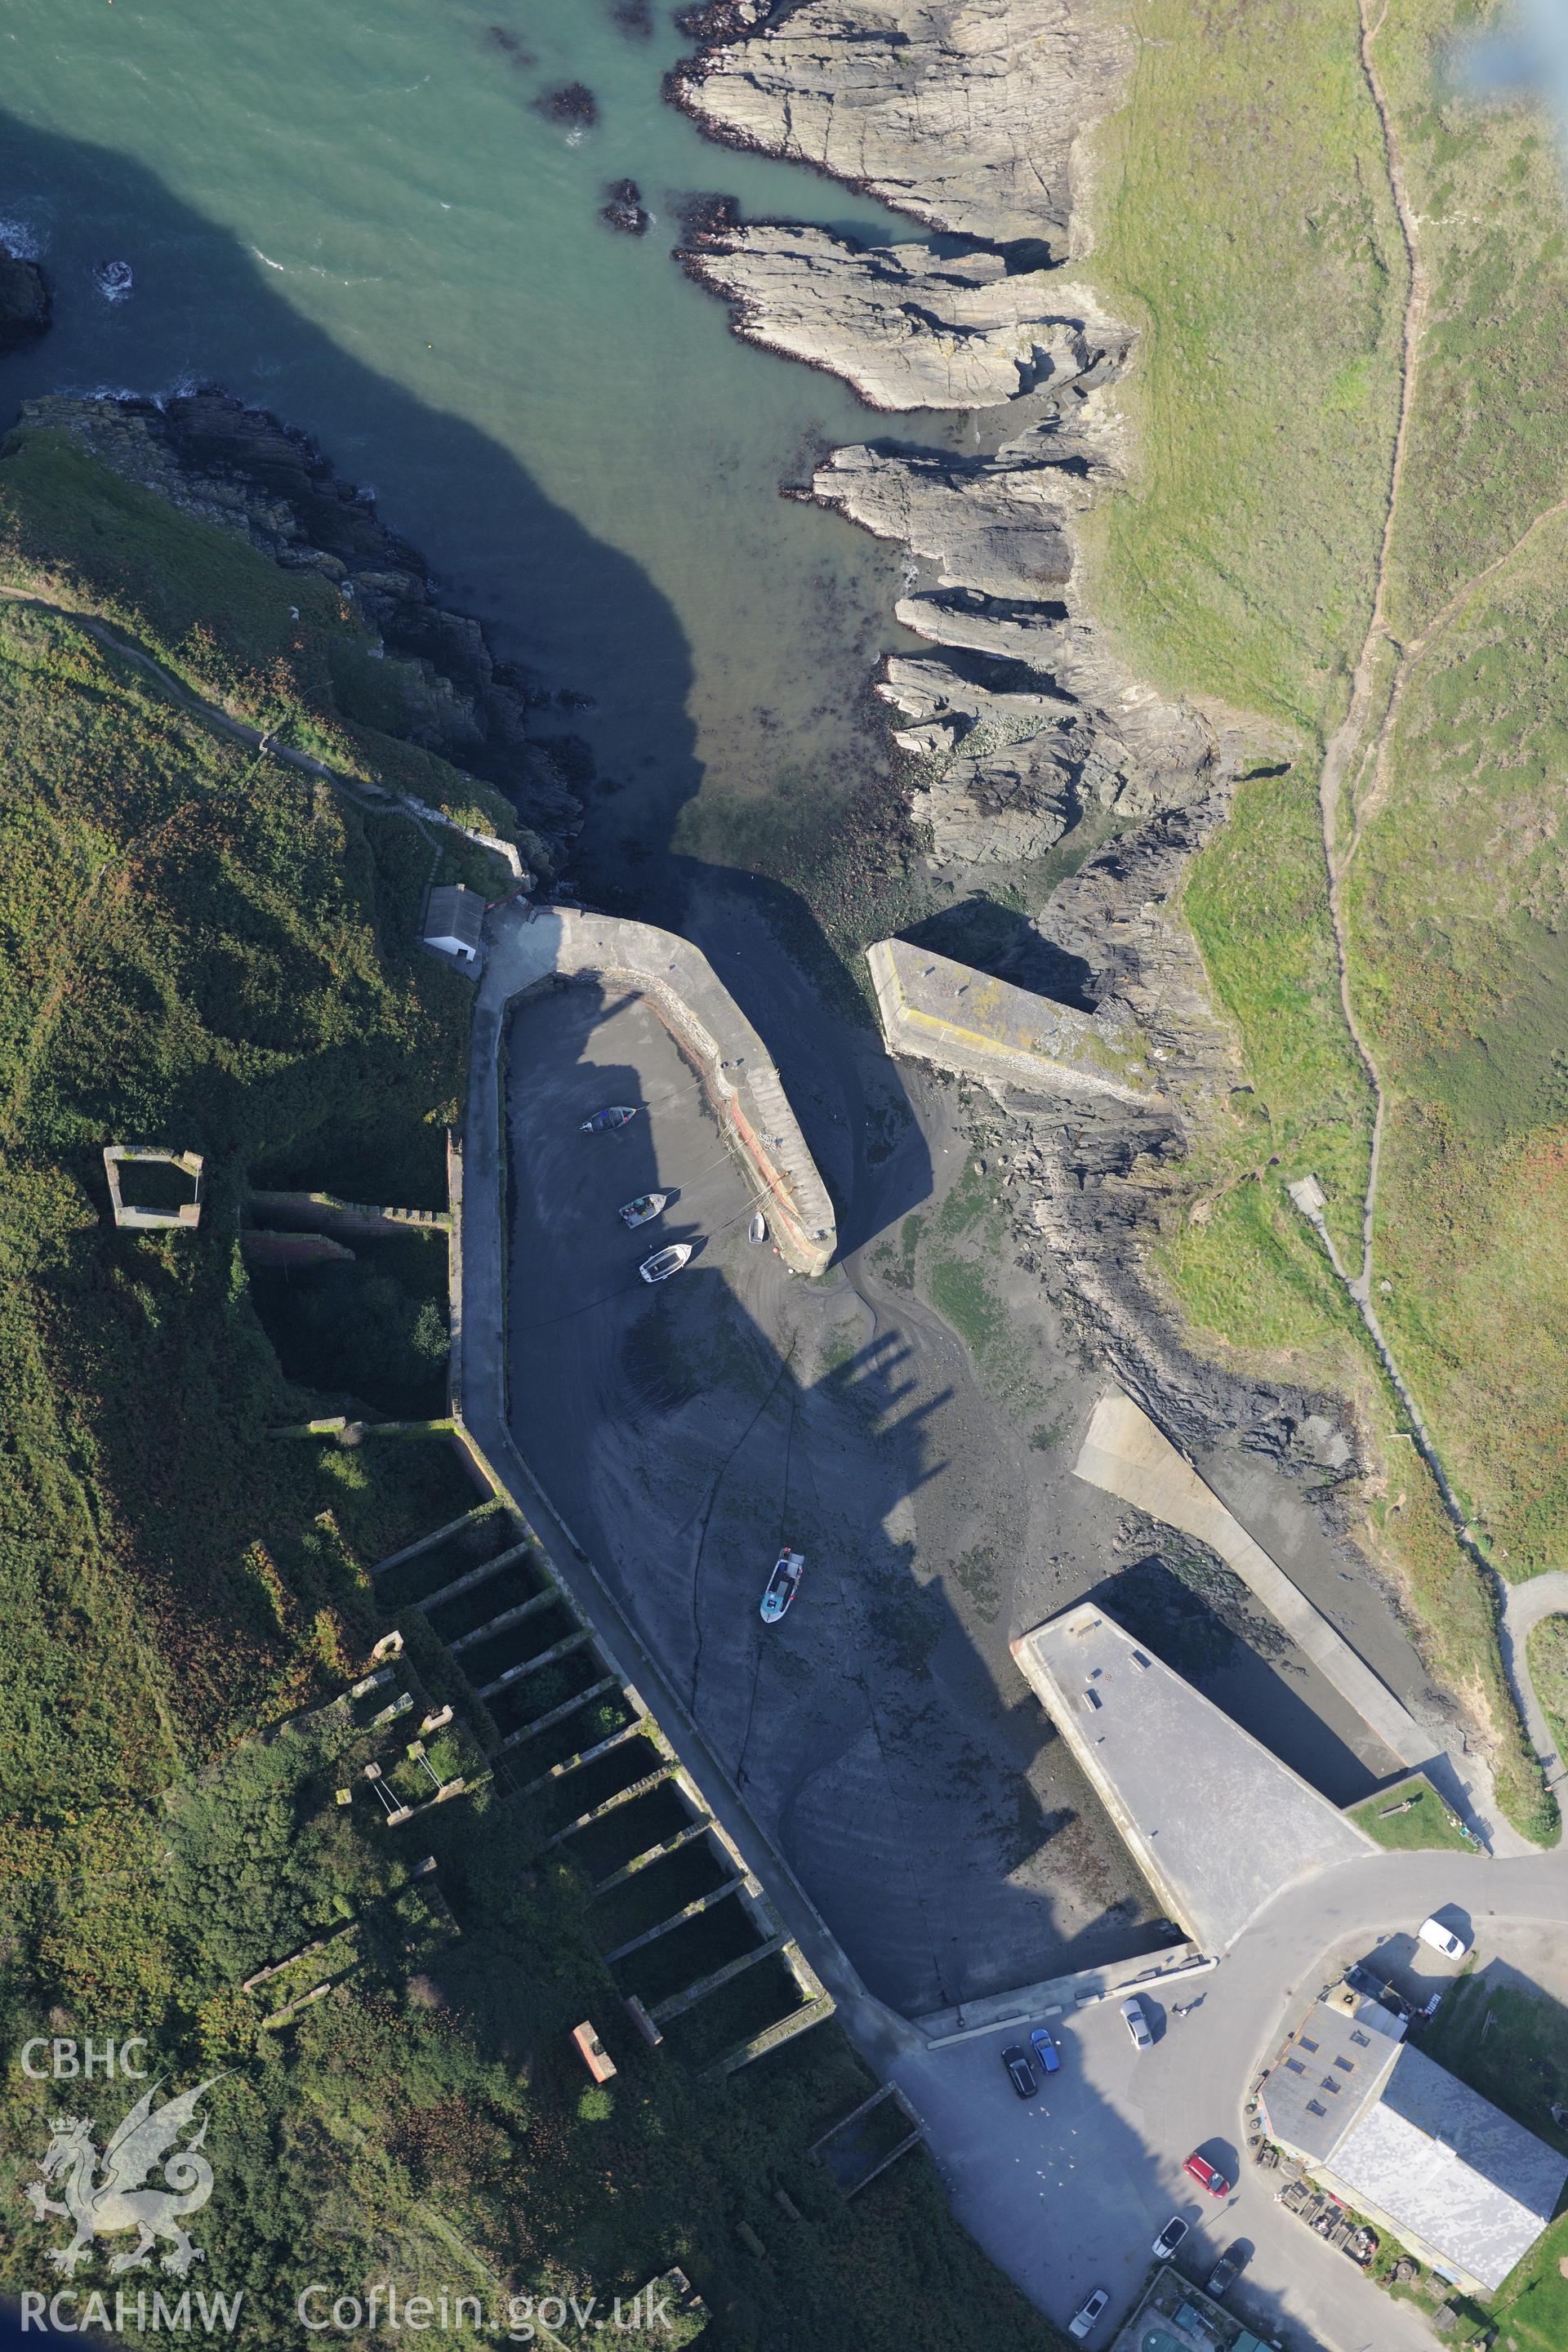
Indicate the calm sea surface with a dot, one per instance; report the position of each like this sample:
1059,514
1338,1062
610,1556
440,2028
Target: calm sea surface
355,215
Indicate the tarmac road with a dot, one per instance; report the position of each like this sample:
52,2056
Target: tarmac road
1068,2191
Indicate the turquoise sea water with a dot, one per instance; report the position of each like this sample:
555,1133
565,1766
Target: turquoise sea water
355,215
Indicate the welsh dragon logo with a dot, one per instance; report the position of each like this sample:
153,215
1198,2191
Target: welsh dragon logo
105,2195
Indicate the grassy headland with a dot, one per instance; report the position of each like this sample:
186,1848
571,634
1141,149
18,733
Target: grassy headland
1246,221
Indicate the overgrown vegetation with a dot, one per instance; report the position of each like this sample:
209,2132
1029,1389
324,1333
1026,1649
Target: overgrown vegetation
1457,895
375,1329
200,951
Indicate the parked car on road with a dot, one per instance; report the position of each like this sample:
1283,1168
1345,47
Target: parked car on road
615,1115
1170,2238
665,1262
1048,2057
1084,2320
1228,2268
1442,1940
1205,2174
1137,2023
1020,2074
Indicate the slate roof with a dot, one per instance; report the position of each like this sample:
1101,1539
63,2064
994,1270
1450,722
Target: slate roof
1335,2062
1443,2162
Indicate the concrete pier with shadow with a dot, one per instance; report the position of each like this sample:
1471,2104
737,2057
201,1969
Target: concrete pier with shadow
1217,1825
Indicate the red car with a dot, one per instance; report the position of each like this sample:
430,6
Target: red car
1205,2176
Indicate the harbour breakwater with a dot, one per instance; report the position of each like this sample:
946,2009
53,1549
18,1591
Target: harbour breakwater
1024,721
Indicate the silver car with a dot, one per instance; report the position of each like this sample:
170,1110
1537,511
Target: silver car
1081,2325
1137,2022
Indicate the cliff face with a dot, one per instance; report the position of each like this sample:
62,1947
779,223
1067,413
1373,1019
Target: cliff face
242,468
1025,720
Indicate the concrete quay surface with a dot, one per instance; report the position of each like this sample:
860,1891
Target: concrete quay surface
1219,1826
529,945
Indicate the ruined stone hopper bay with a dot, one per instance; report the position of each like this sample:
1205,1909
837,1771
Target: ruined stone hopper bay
784,1526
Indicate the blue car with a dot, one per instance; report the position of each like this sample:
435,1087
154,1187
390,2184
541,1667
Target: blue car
1048,2057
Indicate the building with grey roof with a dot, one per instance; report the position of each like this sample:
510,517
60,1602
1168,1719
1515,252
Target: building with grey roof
1404,2142
454,920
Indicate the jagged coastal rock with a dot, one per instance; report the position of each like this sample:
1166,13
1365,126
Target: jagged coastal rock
960,112
23,301
994,527
242,468
906,327
624,209
1024,719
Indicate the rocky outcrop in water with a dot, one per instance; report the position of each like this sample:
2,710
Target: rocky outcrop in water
242,468
23,301
907,327
574,103
960,112
997,529
624,209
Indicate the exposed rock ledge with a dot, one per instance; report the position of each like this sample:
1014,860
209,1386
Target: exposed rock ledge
907,327
960,113
1027,718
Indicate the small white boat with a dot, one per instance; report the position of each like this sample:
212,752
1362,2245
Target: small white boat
615,1115
757,1230
782,1584
665,1262
644,1209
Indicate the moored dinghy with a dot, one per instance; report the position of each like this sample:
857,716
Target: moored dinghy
616,1114
665,1262
644,1209
782,1584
